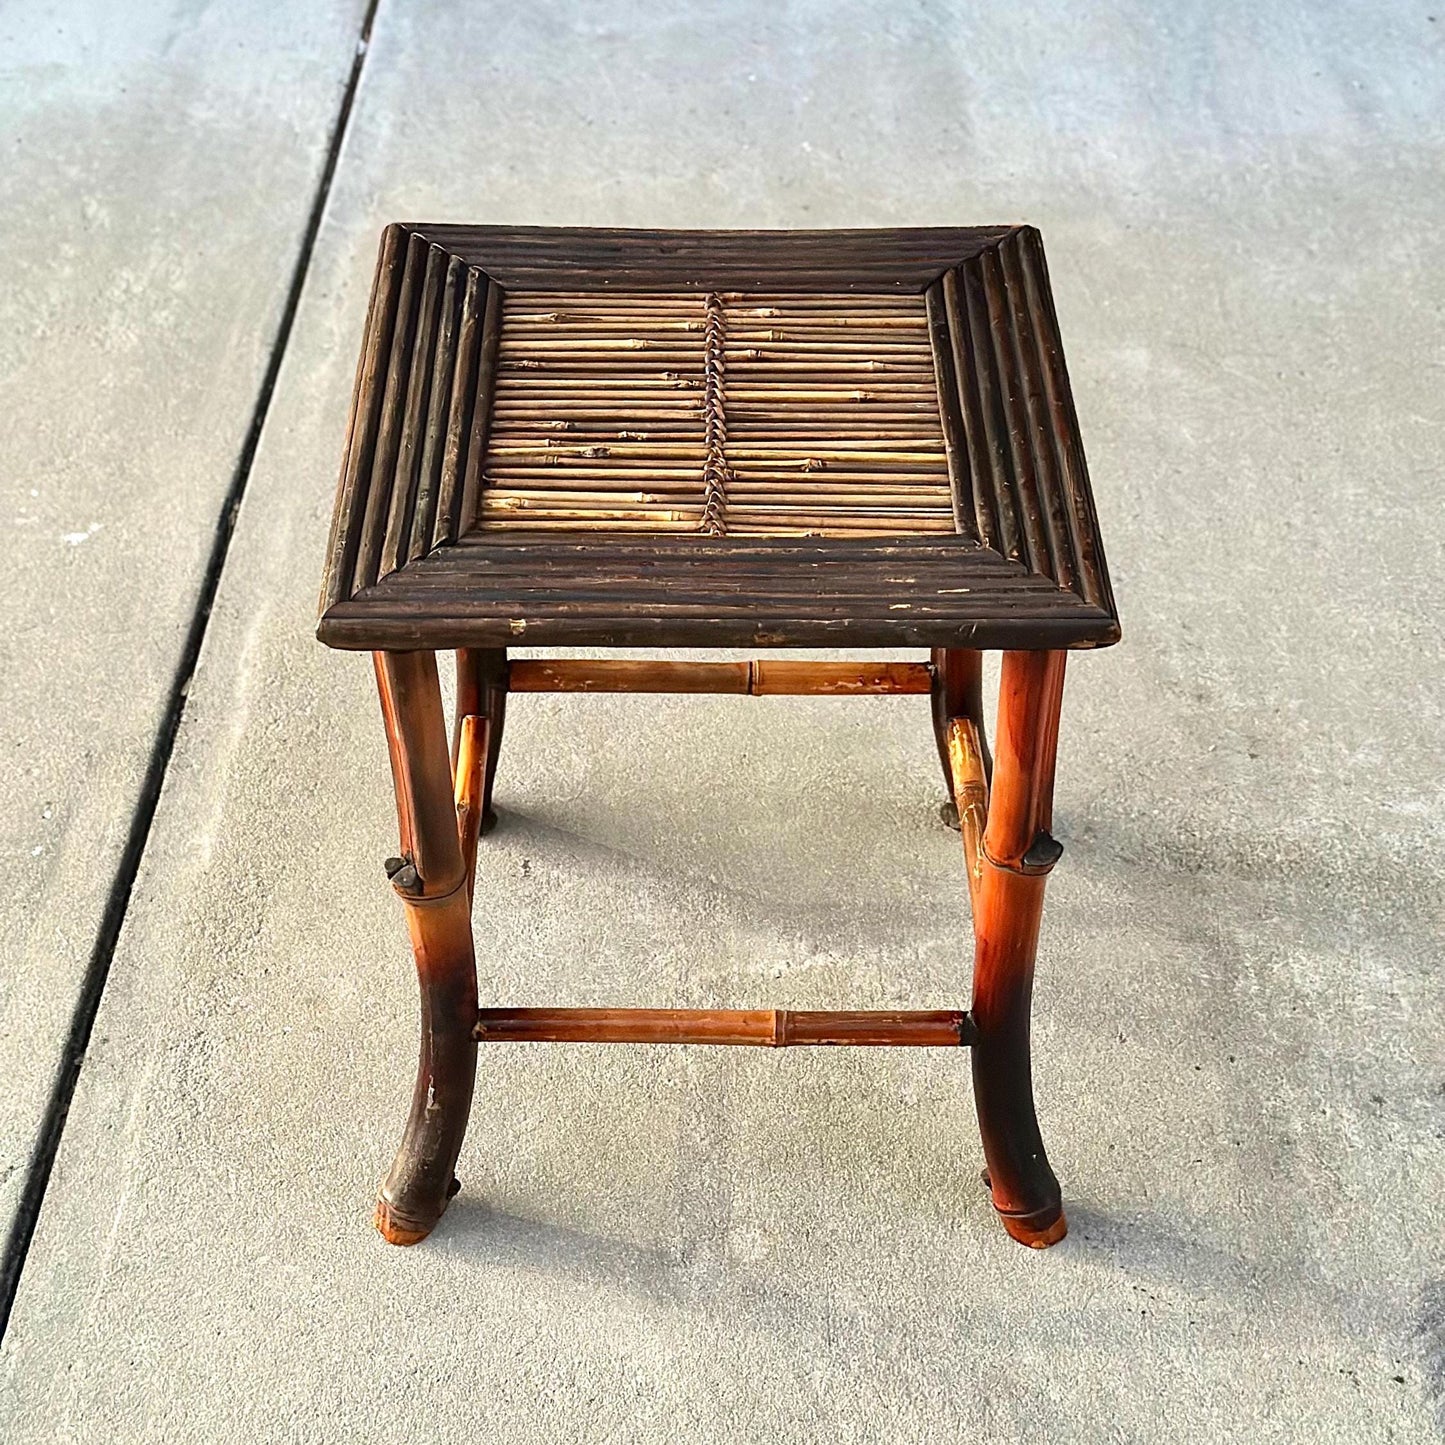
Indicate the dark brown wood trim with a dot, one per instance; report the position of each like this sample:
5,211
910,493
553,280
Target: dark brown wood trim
482,408
495,589
597,259
950,417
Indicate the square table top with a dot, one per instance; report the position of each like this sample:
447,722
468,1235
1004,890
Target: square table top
564,437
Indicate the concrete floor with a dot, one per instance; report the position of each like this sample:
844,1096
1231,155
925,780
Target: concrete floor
157,175
1240,1067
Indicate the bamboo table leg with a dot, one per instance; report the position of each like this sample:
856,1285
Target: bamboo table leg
431,877
481,713
1014,862
957,693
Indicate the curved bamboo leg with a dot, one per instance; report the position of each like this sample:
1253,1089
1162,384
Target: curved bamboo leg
477,732
431,879
957,693
1013,865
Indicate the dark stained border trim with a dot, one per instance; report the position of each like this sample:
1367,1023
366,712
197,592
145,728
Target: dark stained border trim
587,259
492,590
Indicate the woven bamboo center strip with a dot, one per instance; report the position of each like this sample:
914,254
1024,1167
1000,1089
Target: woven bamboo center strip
714,417
750,415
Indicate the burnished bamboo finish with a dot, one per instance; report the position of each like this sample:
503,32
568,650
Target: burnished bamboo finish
705,439
1013,863
764,1028
758,679
1007,847
970,782
481,715
431,879
957,693
473,744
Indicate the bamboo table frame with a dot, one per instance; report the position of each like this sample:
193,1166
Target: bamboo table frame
415,566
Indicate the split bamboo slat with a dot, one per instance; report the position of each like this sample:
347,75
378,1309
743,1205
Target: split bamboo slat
737,414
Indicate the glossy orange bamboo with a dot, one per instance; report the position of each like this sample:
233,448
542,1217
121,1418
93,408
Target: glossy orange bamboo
958,693
430,876
761,678
477,741
1014,860
766,1028
965,755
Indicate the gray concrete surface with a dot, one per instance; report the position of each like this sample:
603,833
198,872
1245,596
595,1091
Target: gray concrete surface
159,164
1239,1013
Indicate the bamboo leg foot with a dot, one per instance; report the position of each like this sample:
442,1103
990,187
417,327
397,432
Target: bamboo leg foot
396,1228
1015,859
432,880
1035,1236
957,692
1022,1230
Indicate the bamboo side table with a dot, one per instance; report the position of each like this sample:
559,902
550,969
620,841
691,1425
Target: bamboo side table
716,439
